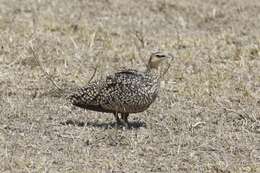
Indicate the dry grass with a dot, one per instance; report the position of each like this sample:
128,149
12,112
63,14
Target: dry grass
207,117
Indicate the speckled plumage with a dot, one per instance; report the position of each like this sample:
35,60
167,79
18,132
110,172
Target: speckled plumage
126,91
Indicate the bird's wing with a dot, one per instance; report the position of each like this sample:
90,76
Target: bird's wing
122,83
128,71
94,91
124,77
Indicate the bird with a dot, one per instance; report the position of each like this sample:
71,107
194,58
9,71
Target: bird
126,91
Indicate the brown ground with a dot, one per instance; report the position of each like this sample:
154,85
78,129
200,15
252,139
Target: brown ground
207,116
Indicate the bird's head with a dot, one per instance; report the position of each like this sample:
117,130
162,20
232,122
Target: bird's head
160,62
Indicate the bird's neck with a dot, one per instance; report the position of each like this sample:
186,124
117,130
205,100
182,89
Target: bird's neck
154,72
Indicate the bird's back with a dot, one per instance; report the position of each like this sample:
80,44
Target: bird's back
127,91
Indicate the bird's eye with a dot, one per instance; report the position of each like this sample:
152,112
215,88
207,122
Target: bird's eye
160,56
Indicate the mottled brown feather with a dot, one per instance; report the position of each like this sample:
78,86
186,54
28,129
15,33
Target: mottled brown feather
127,91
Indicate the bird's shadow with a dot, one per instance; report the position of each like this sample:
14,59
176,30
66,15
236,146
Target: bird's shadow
132,125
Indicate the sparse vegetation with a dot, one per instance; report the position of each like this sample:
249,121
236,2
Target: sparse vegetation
207,118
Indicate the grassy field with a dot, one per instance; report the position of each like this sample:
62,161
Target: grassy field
207,118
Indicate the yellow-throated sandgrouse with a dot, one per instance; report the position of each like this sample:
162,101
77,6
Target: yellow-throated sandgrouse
126,91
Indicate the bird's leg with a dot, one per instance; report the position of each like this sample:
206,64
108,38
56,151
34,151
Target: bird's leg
124,117
117,118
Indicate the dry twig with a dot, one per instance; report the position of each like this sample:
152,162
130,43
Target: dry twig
37,59
93,75
42,68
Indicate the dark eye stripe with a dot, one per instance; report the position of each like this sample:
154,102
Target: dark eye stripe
160,56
